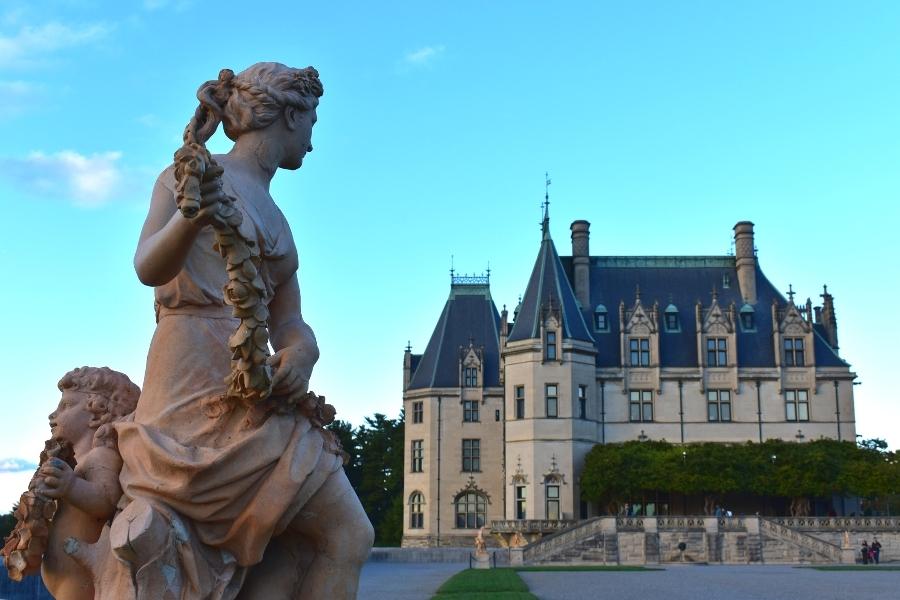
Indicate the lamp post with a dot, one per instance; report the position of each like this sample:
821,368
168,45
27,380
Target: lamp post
772,458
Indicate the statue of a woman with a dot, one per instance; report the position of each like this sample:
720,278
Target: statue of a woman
212,479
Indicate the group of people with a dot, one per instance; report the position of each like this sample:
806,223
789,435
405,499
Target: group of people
871,553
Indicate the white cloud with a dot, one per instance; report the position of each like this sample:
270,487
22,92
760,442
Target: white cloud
88,181
31,45
13,465
423,56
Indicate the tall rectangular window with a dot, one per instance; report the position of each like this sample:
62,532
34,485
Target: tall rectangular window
417,453
470,376
470,411
471,456
639,352
641,405
718,403
716,352
520,502
520,401
582,402
796,405
417,412
550,346
794,352
552,400
553,502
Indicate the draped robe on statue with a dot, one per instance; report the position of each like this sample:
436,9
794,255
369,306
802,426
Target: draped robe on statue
232,486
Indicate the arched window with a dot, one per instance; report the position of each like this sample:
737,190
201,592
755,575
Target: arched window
470,510
601,318
748,320
416,517
672,322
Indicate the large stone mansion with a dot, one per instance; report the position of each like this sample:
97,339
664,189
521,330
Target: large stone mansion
500,411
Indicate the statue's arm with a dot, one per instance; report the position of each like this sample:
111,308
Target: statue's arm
96,490
167,236
296,350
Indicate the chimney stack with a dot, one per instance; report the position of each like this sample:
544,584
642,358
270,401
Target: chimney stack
829,320
745,260
407,366
581,261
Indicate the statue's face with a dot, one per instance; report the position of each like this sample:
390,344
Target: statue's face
300,137
71,419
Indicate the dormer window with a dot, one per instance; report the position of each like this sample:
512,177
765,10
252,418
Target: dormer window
673,323
748,318
470,377
550,345
601,318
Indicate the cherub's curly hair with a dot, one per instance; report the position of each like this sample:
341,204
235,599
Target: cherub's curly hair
112,396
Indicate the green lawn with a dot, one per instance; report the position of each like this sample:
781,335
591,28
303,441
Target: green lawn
484,584
587,568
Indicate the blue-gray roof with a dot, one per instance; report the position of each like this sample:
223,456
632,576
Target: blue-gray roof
549,287
469,315
682,281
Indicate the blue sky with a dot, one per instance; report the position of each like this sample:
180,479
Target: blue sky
662,123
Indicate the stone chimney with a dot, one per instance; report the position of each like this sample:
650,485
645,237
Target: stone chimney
829,320
581,261
407,366
745,260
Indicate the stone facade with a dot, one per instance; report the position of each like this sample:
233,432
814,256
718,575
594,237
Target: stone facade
605,349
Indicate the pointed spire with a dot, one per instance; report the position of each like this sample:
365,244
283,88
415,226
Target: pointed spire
545,224
791,293
637,293
715,294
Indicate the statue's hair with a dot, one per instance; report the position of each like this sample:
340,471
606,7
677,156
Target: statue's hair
252,99
112,396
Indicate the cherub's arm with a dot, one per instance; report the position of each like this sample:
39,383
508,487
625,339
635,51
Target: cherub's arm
96,491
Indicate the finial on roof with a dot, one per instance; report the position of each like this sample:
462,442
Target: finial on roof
545,223
824,291
637,292
452,271
715,294
791,292
408,346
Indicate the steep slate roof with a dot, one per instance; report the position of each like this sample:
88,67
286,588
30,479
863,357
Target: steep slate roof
548,285
682,281
469,313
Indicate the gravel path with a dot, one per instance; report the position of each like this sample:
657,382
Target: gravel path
714,583
404,581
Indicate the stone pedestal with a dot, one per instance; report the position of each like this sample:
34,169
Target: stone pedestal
516,556
481,560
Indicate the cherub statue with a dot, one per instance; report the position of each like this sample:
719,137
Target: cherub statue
63,502
480,545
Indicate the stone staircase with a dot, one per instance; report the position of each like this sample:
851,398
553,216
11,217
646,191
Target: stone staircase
823,549
585,542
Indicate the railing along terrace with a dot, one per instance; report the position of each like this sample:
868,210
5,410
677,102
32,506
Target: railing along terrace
840,523
531,525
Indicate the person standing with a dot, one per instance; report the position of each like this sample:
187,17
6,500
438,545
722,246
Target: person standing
876,550
865,552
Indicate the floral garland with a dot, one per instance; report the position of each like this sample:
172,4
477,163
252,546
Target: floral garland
24,548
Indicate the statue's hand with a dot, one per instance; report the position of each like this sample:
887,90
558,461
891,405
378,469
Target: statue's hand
293,368
211,196
58,477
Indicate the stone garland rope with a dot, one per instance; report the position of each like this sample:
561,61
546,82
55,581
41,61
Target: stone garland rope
250,381
24,548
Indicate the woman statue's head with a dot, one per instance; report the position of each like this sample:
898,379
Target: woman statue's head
252,100
257,96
